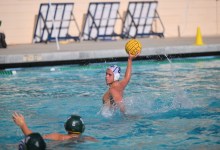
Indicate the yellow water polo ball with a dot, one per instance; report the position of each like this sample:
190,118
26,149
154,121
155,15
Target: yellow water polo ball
133,47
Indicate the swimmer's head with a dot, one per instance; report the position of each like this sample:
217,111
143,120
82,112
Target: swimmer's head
74,124
33,141
116,71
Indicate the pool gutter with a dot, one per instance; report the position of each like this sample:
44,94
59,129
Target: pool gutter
25,58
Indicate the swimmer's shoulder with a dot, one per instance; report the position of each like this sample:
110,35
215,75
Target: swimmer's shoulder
115,89
89,138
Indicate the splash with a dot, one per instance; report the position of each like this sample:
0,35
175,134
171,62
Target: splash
106,112
180,99
157,104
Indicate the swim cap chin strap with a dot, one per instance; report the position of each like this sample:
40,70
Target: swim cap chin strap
73,132
116,70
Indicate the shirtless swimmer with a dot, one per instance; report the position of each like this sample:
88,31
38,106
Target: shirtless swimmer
113,98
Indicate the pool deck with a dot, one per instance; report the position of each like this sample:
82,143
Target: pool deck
39,54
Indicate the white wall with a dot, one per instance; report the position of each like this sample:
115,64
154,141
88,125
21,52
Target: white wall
180,17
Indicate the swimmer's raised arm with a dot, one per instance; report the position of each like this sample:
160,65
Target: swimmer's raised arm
20,121
128,71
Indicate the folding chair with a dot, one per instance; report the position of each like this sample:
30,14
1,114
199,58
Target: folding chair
139,20
100,21
54,22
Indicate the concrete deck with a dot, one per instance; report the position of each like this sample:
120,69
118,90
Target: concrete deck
76,52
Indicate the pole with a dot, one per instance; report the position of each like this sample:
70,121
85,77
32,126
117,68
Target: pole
56,38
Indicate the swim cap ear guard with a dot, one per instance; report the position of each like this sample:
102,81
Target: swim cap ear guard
116,70
22,145
74,124
33,141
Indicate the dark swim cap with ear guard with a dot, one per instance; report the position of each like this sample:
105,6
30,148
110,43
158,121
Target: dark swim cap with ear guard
74,124
33,141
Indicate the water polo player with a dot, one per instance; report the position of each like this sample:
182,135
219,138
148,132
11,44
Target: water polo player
113,98
33,141
74,126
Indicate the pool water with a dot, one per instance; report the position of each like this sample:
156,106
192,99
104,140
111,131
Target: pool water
171,104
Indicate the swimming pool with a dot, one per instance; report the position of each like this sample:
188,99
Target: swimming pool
170,105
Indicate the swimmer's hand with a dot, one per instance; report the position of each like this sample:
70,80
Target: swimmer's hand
18,119
133,56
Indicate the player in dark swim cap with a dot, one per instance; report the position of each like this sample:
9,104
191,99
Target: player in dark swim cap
113,98
74,126
33,141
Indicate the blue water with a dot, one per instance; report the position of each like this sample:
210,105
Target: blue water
171,104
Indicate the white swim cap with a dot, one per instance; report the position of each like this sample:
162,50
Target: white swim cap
116,70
